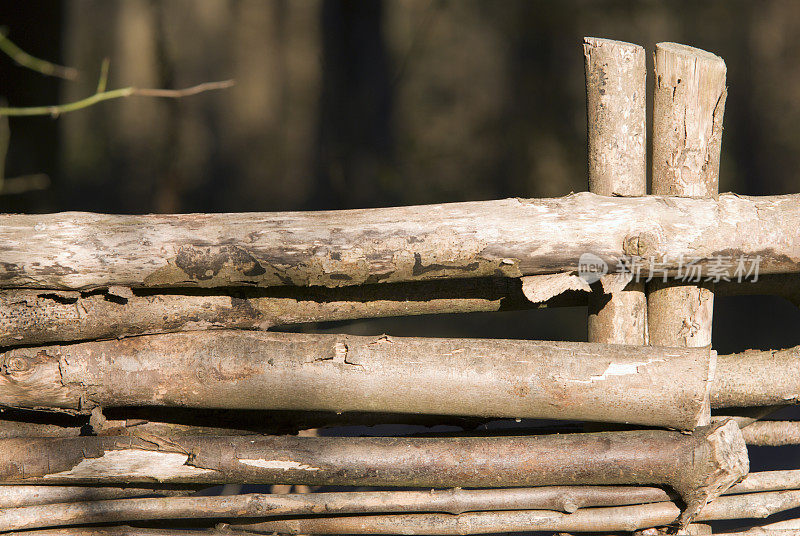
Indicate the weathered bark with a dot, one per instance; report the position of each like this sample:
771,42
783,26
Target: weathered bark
35,317
772,433
698,466
615,95
620,518
29,317
689,103
453,501
512,237
756,378
617,127
265,370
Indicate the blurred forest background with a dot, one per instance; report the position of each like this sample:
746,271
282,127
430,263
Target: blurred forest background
343,104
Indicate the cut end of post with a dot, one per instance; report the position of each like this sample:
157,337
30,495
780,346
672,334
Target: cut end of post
676,63
721,462
601,42
687,51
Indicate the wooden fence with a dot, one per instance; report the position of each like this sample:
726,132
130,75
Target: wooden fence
138,361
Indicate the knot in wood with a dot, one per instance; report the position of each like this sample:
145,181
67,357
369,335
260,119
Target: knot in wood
640,244
15,364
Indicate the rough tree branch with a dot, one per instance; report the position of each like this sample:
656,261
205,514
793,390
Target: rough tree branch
512,237
291,371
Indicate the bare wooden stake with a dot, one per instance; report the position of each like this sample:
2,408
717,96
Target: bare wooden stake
689,104
617,126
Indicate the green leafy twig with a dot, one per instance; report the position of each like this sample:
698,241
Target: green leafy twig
55,111
24,59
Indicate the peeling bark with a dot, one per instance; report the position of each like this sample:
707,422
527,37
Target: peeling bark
29,317
468,377
698,466
512,238
34,317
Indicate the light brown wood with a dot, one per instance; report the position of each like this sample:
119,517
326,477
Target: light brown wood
31,317
613,519
512,237
617,129
689,105
341,373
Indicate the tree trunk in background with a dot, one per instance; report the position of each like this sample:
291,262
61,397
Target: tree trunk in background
354,138
248,148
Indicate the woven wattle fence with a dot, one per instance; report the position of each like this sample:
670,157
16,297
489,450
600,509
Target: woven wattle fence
140,363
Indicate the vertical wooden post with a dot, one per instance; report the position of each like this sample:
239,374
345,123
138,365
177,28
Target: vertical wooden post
617,126
689,104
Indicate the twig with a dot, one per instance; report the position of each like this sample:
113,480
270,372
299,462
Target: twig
103,80
24,59
767,481
55,111
30,317
32,496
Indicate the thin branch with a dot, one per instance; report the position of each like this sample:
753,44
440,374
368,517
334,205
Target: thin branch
619,518
101,83
55,111
24,59
453,501
772,433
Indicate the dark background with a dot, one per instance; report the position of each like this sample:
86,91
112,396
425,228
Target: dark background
342,104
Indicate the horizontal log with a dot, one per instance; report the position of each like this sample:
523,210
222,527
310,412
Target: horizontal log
757,378
772,433
613,519
288,371
511,237
698,467
36,317
29,317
